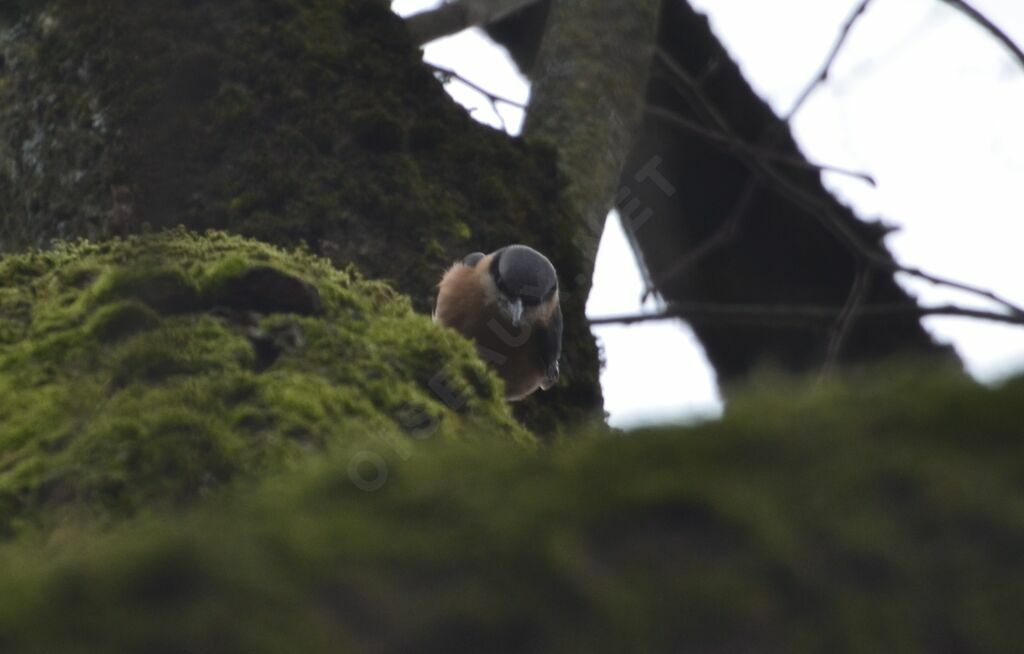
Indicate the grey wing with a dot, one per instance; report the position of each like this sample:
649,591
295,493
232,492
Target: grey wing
472,259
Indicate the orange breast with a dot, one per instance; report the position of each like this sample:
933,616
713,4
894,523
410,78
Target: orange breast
466,303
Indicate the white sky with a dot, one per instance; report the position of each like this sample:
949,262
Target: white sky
920,97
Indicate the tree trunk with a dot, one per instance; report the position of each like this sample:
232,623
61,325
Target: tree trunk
587,99
747,241
707,229
293,122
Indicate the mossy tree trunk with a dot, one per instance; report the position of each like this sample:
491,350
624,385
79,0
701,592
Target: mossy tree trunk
588,98
140,376
293,122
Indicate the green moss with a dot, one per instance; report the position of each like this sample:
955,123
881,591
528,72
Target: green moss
291,121
120,319
217,280
124,383
377,130
240,111
165,289
884,515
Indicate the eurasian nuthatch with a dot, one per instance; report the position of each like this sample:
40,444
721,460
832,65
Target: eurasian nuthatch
507,302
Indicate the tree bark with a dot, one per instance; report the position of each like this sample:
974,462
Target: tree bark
708,229
453,17
298,123
718,231
588,97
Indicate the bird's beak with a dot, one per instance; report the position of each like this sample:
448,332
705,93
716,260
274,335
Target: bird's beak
515,311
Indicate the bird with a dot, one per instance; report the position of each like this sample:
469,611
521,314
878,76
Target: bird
507,303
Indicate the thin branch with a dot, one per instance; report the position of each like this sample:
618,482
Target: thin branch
843,325
968,288
453,17
772,314
879,259
817,209
843,232
820,209
448,74
990,27
823,72
735,144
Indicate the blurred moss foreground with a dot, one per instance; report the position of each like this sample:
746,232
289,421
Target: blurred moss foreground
150,371
886,516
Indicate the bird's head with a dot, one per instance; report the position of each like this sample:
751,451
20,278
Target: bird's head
527,284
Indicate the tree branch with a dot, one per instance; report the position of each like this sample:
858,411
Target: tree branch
733,143
843,232
447,74
845,320
736,144
771,314
590,82
823,72
990,27
453,17
818,208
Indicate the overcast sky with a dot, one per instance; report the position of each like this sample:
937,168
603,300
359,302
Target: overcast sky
920,97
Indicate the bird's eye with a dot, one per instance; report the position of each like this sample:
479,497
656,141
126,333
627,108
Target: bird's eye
529,300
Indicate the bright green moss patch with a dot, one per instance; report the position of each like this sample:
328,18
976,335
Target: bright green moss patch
883,516
144,372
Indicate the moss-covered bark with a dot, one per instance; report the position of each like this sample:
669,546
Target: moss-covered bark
210,444
152,371
285,120
884,517
588,98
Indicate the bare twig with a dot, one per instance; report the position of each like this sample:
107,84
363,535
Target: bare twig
968,288
843,232
732,142
823,72
771,314
878,259
843,324
448,74
736,144
453,17
990,27
818,208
